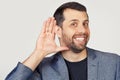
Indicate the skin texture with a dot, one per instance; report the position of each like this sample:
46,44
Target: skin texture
73,37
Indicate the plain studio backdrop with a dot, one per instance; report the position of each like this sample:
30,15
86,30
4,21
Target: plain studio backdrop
21,22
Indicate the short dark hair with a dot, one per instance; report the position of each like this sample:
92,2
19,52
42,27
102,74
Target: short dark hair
59,17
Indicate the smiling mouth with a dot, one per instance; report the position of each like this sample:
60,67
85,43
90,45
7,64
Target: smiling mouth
80,39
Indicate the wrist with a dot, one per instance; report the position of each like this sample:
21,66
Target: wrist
39,53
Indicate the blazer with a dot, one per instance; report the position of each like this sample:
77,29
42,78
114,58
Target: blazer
101,66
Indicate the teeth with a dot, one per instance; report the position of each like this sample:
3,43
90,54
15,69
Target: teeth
80,39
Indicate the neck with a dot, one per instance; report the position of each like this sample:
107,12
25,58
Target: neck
74,57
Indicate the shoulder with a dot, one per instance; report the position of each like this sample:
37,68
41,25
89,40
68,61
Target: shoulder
107,63
51,58
48,61
47,64
105,56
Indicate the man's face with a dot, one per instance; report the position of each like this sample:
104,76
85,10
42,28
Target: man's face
75,31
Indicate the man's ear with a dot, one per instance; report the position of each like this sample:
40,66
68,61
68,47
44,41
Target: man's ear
58,31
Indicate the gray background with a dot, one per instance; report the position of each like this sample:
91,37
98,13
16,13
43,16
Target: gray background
21,22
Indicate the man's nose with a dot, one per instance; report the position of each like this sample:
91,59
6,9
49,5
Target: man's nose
81,29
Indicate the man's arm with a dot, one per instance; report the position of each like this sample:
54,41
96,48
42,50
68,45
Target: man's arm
45,45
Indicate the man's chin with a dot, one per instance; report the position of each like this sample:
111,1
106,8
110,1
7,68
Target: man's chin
77,49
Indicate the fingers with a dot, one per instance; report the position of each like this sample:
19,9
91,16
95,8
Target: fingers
50,24
44,27
54,26
47,25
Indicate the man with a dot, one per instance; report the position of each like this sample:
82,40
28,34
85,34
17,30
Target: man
73,60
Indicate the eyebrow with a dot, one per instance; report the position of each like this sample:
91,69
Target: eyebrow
78,20
74,20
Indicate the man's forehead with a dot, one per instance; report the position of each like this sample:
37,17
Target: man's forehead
71,14
76,19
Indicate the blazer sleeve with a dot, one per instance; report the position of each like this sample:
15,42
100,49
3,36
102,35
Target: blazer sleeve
22,72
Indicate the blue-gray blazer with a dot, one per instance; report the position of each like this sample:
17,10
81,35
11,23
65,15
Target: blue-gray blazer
101,66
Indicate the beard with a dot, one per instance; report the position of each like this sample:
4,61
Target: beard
72,45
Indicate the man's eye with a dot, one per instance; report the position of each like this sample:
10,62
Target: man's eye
74,24
85,24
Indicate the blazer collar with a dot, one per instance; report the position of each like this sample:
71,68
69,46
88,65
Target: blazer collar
92,64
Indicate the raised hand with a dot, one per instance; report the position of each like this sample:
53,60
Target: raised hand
46,41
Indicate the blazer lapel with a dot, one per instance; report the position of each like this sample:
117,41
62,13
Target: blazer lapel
60,67
92,65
